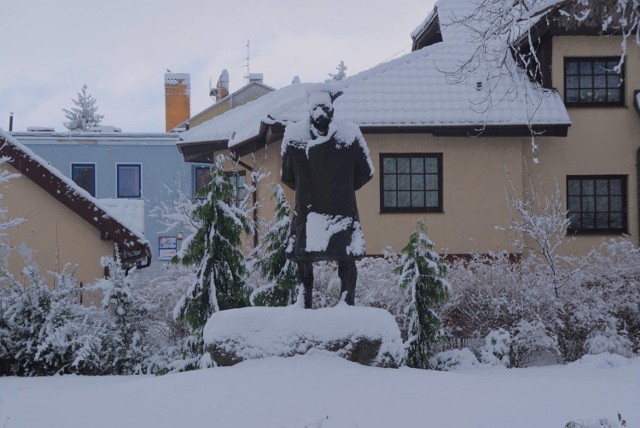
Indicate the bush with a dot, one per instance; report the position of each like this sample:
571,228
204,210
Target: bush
589,305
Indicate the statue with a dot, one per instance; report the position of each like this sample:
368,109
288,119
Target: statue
325,162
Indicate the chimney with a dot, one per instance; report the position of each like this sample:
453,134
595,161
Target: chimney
10,121
256,77
223,85
177,99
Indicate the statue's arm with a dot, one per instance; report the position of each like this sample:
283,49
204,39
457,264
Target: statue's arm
363,170
286,173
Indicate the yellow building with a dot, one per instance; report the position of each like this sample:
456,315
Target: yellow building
454,151
63,223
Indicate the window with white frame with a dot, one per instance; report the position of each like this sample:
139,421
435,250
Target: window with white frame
129,180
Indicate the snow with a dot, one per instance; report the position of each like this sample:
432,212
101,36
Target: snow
411,91
129,212
328,392
260,332
321,227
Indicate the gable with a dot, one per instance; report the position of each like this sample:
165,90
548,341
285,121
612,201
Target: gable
132,246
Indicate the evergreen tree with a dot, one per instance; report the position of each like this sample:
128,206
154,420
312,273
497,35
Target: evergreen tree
85,113
341,74
124,346
273,263
214,250
422,271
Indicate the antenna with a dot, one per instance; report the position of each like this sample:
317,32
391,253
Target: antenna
248,61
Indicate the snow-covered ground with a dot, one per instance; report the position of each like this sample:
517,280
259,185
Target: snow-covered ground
328,392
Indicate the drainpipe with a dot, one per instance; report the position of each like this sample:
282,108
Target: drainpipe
254,196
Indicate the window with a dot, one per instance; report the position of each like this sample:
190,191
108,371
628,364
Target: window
129,181
84,175
597,203
239,180
202,177
411,182
593,81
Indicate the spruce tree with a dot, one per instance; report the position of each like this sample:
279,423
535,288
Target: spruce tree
273,263
85,113
124,347
214,250
341,74
423,271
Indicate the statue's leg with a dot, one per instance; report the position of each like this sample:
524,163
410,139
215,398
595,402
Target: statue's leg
305,277
348,274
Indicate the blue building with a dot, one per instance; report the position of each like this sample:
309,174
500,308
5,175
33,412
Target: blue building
135,171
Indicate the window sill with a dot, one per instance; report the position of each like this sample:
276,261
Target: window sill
411,211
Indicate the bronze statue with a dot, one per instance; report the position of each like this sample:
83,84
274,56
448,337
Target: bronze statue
325,162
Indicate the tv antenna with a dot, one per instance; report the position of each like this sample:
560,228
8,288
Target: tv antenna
248,61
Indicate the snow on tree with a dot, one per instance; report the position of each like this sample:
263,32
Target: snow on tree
125,347
214,250
539,225
422,270
84,115
272,260
341,73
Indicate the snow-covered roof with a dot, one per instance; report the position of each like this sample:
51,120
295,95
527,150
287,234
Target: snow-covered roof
109,138
129,239
413,91
129,212
227,99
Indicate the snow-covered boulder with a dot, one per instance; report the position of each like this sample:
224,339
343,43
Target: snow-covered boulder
369,336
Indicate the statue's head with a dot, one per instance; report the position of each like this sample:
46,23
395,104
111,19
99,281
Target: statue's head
321,111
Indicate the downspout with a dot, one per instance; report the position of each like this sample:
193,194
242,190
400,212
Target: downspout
254,196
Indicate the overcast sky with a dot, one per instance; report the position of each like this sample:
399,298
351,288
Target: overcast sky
122,48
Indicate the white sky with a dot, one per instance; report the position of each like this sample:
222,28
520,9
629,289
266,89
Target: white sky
121,50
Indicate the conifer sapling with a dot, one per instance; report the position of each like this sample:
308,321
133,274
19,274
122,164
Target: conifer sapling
422,270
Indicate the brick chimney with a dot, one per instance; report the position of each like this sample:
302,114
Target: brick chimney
177,99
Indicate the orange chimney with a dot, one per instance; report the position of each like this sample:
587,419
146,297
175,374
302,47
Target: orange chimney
177,99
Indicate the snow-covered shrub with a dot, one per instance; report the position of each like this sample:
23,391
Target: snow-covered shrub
496,348
494,291
533,344
45,331
24,312
125,346
422,272
602,298
272,262
454,359
610,341
595,307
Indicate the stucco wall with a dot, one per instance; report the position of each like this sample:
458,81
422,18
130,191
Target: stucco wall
476,181
162,168
52,236
601,140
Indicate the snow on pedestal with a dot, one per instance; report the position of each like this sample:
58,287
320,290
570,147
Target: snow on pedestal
365,335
